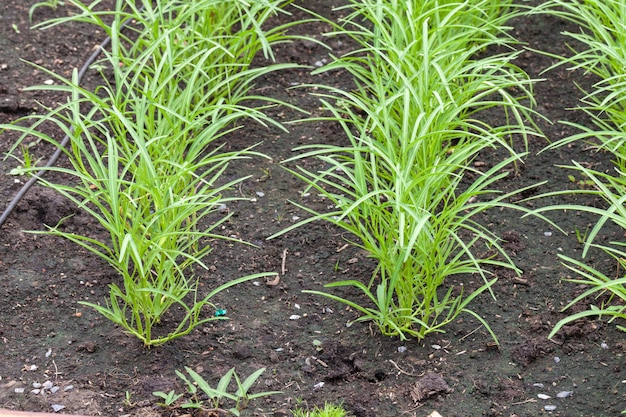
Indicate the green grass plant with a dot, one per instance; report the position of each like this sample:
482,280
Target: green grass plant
404,186
145,155
217,397
601,51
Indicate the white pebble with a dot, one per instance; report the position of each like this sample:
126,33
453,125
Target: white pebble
549,407
401,349
318,385
294,317
48,353
436,347
57,407
564,394
557,359
543,396
35,391
48,82
547,234
538,385
36,385
47,385
296,306
54,389
19,390
260,193
68,388
603,345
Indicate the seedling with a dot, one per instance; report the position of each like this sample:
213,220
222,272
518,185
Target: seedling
218,397
580,236
329,410
26,162
169,400
582,184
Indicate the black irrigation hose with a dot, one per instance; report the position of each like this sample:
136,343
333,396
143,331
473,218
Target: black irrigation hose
13,203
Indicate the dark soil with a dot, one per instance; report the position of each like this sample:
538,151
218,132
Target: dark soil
45,335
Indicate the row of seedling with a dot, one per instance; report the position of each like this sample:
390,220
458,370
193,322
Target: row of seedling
147,164
405,185
145,154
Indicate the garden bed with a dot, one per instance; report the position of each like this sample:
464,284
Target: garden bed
303,341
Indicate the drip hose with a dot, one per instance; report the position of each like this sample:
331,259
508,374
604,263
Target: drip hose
20,194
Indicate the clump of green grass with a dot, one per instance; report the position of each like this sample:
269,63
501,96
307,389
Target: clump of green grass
405,187
601,52
145,154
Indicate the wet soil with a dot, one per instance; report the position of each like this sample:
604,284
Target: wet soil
45,335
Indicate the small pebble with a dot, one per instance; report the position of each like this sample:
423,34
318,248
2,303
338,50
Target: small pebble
48,353
401,349
436,347
68,388
557,359
57,407
603,345
19,390
47,385
543,396
549,407
564,394
54,389
318,385
294,317
36,385
260,193
538,385
547,233
35,391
